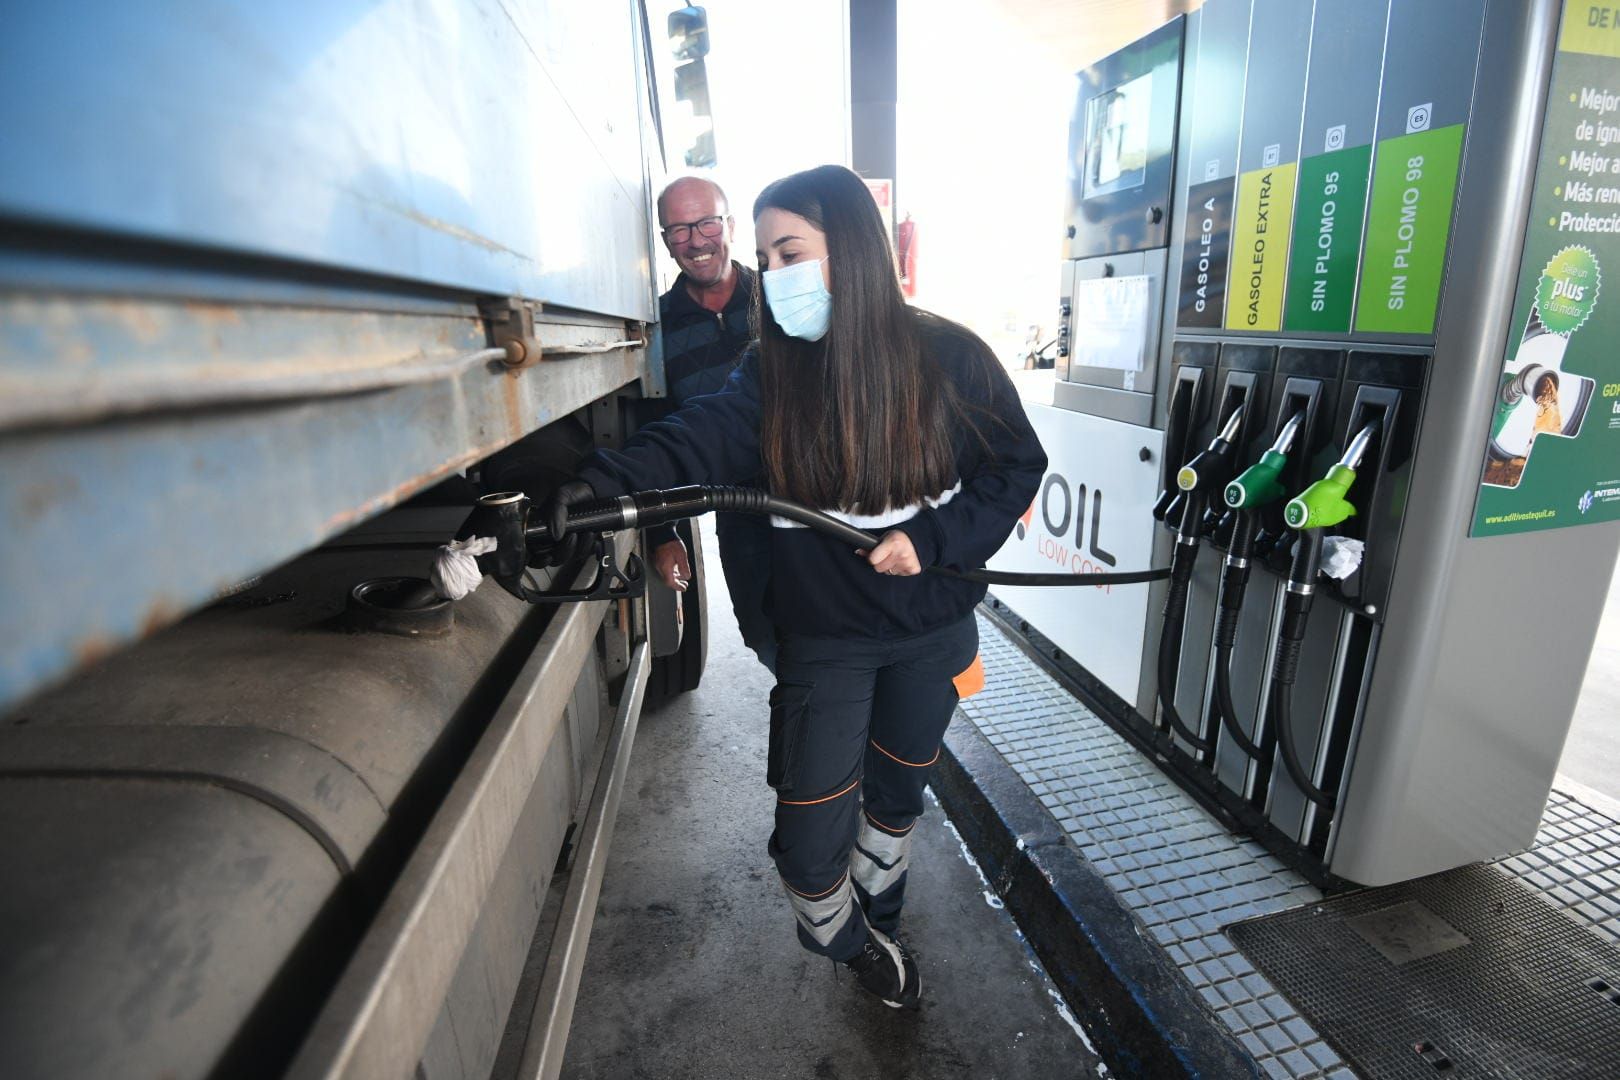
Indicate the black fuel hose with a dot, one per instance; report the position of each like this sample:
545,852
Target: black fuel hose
643,509
1234,582
1175,615
1296,614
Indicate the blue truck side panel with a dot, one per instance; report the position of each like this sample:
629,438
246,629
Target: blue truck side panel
491,146
204,197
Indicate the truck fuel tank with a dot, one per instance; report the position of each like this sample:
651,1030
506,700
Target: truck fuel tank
197,830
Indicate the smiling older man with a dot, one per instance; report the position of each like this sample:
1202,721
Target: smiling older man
704,320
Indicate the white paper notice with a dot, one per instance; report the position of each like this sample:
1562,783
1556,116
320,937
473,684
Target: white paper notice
1110,323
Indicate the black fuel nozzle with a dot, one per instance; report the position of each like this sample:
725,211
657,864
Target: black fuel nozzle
1166,503
645,509
1194,482
1210,470
504,516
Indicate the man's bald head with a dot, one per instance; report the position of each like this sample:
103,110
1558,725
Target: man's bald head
696,223
686,188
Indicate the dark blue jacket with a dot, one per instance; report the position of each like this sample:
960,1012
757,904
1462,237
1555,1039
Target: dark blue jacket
701,347
701,350
819,587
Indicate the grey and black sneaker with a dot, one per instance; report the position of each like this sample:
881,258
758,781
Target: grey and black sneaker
884,967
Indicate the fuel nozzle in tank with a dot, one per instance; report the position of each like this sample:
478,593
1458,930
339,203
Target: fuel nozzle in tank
1323,504
508,543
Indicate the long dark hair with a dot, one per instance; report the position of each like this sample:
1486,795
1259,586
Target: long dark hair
852,421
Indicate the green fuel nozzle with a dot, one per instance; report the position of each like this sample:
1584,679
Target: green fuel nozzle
1323,504
1261,483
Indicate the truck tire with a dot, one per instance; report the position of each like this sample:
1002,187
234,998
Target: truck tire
682,671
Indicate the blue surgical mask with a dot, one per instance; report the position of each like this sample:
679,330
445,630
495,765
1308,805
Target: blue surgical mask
799,299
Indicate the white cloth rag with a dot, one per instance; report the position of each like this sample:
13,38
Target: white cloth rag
1341,555
455,568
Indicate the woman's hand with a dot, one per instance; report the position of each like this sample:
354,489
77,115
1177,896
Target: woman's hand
895,555
671,564
565,546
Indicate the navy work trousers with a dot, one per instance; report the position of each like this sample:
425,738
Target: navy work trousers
856,726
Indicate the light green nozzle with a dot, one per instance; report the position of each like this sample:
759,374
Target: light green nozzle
1323,504
1259,484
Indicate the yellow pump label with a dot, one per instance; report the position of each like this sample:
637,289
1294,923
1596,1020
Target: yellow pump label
1260,231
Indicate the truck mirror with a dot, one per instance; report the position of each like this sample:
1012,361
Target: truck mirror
689,33
692,87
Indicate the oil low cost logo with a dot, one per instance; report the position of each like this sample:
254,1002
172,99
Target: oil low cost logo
1062,505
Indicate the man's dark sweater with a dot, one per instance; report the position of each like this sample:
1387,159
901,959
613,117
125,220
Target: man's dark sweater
702,346
701,349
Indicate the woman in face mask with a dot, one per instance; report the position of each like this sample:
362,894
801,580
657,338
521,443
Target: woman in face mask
903,424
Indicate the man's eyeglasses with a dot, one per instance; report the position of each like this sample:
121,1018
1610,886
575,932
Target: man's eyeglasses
709,226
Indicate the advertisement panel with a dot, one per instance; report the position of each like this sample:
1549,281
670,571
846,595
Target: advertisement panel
1553,455
1093,512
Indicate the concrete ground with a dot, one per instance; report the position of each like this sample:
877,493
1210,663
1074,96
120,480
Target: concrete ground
694,971
1592,751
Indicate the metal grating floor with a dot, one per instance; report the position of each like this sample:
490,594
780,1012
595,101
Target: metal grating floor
1467,973
1185,876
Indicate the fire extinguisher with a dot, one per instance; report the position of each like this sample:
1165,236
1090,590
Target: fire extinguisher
908,256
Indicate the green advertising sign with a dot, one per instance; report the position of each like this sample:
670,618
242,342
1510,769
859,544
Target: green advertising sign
1414,185
1327,240
1553,456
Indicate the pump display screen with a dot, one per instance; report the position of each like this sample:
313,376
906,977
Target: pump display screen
1117,137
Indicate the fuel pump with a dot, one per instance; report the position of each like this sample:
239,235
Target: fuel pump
1310,513
1195,480
1322,242
1259,485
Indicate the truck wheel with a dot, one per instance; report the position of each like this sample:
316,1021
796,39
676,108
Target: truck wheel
681,671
